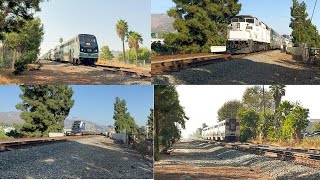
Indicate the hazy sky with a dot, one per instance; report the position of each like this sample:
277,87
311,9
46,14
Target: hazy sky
202,103
67,18
94,103
275,13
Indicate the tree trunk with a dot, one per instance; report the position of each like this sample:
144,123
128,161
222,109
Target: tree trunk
136,55
157,130
14,59
124,52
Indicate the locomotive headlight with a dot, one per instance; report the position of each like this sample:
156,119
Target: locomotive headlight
81,50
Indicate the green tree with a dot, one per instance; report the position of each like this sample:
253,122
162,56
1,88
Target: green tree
248,124
277,92
264,124
106,53
44,108
303,31
258,99
298,121
124,122
229,110
204,125
134,39
150,123
14,13
143,54
285,108
200,24
122,30
168,114
3,134
27,43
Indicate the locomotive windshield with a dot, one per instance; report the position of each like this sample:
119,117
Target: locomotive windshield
88,41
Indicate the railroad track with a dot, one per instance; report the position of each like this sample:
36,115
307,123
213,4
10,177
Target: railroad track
304,156
129,72
141,74
19,143
163,64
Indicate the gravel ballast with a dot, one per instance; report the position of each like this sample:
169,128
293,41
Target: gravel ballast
272,67
199,154
90,158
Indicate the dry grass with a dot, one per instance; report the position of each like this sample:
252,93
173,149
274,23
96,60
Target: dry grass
115,62
7,78
312,143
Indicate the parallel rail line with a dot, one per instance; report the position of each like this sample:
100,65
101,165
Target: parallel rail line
164,64
304,156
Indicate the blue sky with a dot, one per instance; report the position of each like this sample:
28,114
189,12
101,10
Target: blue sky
94,103
67,18
275,13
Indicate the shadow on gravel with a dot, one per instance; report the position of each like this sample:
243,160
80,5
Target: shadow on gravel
73,160
240,72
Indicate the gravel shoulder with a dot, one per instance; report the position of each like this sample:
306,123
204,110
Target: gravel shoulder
91,158
272,67
200,160
63,73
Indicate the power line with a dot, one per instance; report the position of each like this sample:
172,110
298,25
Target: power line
314,9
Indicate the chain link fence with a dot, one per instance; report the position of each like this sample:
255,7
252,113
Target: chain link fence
6,57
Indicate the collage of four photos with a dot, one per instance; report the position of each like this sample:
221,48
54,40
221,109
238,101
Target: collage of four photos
150,89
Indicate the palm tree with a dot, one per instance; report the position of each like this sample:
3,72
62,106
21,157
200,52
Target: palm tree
122,31
277,92
134,39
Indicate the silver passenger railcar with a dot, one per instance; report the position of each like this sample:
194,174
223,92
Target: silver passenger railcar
227,130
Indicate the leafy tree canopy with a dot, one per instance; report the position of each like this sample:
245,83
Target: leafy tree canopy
229,110
44,108
200,24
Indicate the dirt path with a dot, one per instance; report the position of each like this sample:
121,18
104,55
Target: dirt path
268,68
61,73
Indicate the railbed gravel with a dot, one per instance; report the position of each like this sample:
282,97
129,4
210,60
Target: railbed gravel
272,67
208,155
90,158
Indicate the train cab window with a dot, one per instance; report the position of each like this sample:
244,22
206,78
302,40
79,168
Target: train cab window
234,20
242,20
250,21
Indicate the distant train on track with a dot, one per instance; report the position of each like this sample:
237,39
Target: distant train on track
83,128
227,130
246,34
82,49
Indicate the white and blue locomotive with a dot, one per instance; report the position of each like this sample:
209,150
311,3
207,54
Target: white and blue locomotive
83,128
82,49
